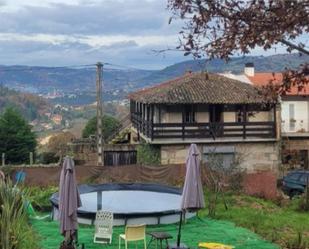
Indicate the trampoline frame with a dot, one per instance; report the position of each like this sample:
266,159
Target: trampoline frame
150,218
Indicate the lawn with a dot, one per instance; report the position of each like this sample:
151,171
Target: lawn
194,231
280,224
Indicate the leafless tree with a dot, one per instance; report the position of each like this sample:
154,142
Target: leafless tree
222,177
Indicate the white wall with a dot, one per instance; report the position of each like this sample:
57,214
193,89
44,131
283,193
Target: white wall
300,111
261,116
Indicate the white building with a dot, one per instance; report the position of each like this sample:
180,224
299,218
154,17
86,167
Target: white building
294,114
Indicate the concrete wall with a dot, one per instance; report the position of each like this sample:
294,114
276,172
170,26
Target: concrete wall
254,157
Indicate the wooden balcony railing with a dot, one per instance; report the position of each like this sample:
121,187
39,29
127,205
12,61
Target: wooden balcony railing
241,130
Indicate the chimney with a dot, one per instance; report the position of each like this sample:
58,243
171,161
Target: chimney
249,69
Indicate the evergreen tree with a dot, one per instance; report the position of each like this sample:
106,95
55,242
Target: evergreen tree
16,137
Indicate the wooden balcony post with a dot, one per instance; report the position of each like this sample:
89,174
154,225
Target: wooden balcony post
275,121
143,118
152,117
183,123
244,135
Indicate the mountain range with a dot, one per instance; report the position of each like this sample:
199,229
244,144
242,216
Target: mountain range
118,82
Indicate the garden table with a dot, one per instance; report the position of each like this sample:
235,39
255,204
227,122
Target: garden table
159,236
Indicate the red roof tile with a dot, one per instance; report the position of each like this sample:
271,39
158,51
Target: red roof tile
262,79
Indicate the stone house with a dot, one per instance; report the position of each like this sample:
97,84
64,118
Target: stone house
221,115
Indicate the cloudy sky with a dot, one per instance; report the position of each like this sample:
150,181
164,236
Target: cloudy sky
74,32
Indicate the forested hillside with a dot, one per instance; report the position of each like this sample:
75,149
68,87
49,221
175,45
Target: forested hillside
31,106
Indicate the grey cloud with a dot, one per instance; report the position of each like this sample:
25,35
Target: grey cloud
129,17
123,53
107,17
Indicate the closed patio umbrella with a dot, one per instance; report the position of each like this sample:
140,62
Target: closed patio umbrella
69,201
192,195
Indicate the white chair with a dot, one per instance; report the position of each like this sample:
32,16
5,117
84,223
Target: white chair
103,227
133,233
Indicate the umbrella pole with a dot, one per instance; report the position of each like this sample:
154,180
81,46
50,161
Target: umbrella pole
179,230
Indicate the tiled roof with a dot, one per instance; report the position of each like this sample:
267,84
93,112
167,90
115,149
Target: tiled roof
199,88
262,79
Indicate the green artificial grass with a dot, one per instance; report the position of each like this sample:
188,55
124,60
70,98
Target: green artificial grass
194,231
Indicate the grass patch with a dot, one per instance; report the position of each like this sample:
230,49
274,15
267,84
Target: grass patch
277,224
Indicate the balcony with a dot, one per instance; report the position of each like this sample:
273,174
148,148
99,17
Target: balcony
203,132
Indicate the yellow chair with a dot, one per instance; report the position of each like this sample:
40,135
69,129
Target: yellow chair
214,246
133,233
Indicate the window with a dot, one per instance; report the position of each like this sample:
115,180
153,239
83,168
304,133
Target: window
223,159
292,116
223,155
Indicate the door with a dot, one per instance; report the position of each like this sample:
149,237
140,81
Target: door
216,120
216,113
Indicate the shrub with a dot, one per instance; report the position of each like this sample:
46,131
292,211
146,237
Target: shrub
48,157
148,154
15,232
297,243
39,197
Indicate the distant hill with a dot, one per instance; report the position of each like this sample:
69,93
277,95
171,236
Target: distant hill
274,63
30,106
46,79
119,82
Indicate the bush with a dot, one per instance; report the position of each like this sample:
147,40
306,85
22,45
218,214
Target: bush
48,157
15,231
148,154
297,243
39,197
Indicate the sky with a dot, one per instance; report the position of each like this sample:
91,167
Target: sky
78,32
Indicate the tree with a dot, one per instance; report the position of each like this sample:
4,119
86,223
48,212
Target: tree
219,28
58,144
109,125
16,137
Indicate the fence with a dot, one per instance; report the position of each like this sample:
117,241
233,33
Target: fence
262,184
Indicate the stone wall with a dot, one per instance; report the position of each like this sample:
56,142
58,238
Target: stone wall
254,157
297,143
297,149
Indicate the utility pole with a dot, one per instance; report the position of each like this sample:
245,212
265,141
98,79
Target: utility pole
99,113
